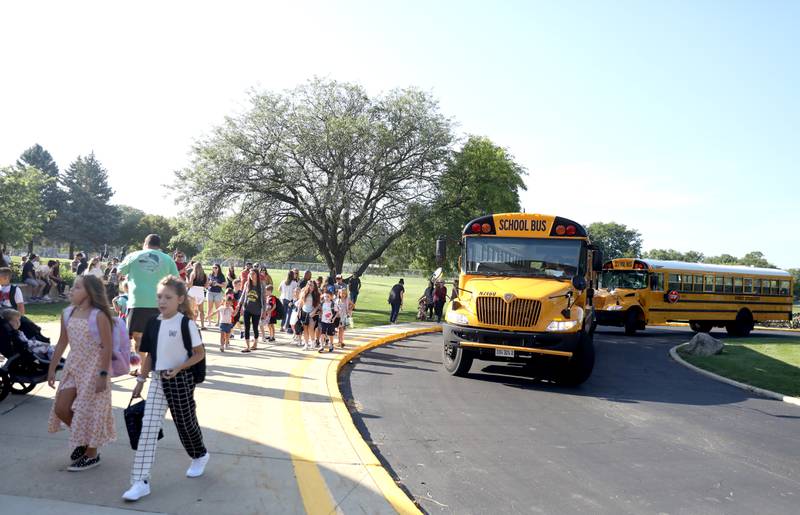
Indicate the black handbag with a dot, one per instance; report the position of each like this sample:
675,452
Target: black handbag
133,422
198,370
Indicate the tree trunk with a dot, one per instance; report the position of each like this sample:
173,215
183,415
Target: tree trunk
30,247
71,250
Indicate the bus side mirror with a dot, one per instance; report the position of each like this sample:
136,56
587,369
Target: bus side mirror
579,282
597,260
441,251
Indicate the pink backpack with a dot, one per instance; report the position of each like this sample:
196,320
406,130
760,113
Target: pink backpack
121,343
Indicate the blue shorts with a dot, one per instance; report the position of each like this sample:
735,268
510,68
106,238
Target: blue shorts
225,328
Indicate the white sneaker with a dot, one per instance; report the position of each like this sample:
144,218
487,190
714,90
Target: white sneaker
137,490
198,466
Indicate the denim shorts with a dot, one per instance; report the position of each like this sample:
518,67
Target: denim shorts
215,296
225,328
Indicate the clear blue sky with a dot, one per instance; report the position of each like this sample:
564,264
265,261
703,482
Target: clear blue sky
681,119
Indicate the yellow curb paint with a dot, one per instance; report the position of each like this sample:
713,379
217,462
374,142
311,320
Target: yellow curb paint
317,498
380,476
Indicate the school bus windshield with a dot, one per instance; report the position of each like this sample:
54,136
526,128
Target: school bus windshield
630,279
534,257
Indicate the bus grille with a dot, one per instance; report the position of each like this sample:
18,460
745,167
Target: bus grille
517,313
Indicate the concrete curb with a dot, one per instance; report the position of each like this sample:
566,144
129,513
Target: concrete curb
673,352
395,495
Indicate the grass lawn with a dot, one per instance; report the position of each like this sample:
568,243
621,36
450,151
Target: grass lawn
372,307
770,362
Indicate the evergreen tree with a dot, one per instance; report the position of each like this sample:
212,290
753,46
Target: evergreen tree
91,219
52,196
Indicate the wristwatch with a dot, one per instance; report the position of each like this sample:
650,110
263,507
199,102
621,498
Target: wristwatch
103,373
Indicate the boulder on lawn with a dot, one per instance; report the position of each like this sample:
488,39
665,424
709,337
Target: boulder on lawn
703,344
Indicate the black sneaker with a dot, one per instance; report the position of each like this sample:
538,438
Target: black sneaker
84,463
77,453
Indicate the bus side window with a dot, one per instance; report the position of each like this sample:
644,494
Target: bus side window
784,288
709,283
729,285
698,283
674,282
757,286
748,285
737,285
773,288
686,283
657,282
718,286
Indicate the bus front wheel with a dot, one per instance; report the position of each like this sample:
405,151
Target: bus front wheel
579,367
631,322
456,360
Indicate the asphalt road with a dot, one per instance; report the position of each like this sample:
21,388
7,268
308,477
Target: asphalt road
643,435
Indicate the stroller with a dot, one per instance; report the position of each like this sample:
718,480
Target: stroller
23,370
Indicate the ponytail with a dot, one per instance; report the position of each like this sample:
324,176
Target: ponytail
179,287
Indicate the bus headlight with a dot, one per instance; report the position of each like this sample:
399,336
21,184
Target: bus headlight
457,318
561,325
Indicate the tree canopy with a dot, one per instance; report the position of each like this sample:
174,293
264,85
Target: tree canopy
22,213
91,220
615,240
323,166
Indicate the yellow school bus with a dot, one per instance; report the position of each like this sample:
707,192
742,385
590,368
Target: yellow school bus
636,292
522,296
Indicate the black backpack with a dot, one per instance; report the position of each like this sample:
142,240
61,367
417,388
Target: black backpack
198,370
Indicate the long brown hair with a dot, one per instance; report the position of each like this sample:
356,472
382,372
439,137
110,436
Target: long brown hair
198,272
179,287
310,289
97,295
289,278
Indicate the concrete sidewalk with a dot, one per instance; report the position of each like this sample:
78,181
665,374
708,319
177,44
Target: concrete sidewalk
279,437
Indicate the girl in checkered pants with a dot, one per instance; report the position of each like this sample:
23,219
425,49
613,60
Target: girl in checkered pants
172,384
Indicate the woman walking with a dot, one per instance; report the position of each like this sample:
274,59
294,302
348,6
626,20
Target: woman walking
231,277
287,289
197,292
216,281
252,309
172,384
439,298
83,398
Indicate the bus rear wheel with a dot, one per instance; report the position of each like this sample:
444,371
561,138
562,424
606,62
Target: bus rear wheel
579,367
742,326
456,360
701,327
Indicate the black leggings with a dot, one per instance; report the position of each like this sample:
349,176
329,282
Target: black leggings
249,318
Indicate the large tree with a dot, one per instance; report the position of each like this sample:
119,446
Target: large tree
22,214
323,165
482,178
615,240
91,219
691,256
52,196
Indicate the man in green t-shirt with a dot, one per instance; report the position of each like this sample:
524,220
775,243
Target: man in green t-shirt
144,269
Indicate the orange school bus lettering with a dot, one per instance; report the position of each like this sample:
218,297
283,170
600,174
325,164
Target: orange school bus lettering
523,296
636,292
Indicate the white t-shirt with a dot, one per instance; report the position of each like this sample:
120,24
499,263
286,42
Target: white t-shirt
97,272
287,291
327,312
170,352
5,294
225,315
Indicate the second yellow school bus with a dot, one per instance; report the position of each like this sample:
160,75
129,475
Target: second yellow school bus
636,292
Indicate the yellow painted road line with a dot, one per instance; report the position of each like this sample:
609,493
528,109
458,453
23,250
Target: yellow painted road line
519,349
317,498
380,476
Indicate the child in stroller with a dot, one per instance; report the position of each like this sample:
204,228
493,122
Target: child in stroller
27,353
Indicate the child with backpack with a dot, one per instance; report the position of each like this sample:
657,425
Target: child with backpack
271,314
175,354
83,398
10,295
327,316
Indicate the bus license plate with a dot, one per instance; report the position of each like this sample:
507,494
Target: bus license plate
504,353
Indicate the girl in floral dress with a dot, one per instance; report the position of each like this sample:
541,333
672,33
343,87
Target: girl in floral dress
83,399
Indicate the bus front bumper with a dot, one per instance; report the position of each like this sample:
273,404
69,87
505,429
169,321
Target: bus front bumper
490,344
611,317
